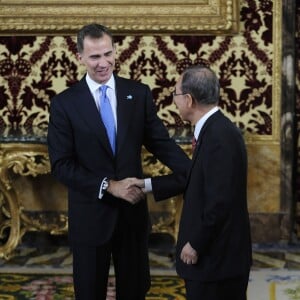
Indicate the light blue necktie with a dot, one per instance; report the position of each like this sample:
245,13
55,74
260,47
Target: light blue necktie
108,117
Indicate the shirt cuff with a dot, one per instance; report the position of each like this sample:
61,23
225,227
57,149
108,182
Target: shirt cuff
148,185
103,187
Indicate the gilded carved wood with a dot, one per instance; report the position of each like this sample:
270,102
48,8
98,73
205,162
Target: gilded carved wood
23,160
122,16
32,160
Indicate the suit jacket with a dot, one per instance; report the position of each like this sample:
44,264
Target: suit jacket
215,216
80,156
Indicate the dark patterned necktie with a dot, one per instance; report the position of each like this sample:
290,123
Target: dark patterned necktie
108,117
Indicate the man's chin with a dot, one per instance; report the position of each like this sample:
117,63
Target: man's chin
103,78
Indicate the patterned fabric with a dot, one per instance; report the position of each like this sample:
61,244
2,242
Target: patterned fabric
60,287
264,284
35,68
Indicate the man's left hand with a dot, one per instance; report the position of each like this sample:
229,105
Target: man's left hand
189,254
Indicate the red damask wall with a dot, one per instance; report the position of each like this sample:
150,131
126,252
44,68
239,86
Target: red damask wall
33,69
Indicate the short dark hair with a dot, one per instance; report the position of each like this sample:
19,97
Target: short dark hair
202,84
94,31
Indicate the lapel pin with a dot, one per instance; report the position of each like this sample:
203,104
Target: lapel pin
129,97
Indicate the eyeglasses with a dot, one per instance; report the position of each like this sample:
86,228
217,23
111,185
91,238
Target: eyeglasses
180,94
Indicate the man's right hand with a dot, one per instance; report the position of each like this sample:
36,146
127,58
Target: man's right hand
126,189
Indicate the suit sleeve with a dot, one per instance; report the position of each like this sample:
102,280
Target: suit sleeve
61,148
219,193
158,142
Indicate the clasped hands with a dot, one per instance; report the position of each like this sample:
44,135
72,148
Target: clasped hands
129,189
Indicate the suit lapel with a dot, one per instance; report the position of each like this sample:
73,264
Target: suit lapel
87,108
200,139
125,108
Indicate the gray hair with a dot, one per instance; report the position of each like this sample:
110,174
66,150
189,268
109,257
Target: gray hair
202,84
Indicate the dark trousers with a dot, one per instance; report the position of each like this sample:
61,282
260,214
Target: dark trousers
233,289
129,251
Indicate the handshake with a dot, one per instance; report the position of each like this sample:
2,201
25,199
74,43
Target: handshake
130,189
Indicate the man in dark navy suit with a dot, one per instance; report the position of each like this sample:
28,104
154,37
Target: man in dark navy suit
108,216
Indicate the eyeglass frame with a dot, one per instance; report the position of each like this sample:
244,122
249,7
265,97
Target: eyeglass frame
180,94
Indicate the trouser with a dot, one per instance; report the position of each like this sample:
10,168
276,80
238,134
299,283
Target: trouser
233,289
129,252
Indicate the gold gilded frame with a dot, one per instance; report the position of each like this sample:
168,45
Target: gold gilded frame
19,17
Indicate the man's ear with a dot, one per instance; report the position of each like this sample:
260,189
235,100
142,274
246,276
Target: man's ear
79,57
190,100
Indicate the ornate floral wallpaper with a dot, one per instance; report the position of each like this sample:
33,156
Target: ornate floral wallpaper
34,68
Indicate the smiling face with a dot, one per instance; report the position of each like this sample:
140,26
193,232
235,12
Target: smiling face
98,56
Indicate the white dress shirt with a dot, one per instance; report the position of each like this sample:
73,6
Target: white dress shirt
111,94
202,120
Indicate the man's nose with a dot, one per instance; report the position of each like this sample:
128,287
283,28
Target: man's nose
102,61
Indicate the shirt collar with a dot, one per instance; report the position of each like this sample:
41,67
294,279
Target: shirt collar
202,120
94,86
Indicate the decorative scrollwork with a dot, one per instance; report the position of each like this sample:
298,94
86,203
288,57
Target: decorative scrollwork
53,222
26,159
134,17
29,163
16,159
23,159
9,222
